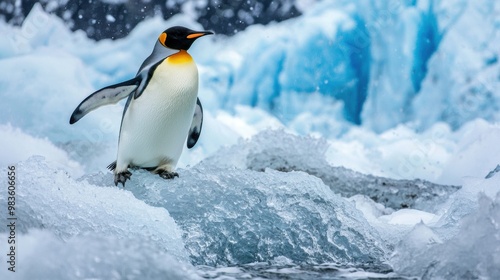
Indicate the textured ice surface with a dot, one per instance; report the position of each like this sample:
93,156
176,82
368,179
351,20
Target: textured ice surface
463,244
462,83
471,254
234,216
286,152
43,255
47,198
238,206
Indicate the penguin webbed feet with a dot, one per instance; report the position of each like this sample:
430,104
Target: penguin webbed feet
165,174
122,177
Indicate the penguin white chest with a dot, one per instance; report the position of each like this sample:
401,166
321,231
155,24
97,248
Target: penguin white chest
156,124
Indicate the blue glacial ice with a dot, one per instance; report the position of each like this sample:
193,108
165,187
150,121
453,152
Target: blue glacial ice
362,62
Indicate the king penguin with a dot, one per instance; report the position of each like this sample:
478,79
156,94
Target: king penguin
161,111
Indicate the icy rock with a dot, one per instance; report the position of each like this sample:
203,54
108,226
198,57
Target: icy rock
473,253
285,152
43,255
48,198
234,216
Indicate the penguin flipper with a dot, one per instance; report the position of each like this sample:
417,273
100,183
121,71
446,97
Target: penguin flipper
105,96
196,124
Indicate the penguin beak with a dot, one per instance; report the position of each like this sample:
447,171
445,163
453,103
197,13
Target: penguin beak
196,35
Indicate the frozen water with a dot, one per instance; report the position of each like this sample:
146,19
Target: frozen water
242,216
286,152
48,198
471,253
44,255
273,203
462,82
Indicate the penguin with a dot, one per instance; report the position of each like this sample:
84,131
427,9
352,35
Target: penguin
162,108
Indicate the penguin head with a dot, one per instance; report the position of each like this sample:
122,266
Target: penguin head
180,38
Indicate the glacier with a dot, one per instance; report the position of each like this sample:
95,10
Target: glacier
357,140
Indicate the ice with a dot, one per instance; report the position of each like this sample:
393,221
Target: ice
22,146
471,253
283,151
43,255
234,216
462,82
48,198
361,133
363,62
439,154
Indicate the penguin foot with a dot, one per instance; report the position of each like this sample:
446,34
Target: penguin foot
122,177
168,174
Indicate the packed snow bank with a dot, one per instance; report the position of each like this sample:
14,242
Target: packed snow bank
44,255
250,203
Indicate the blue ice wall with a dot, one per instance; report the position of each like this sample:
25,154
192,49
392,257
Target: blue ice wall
369,57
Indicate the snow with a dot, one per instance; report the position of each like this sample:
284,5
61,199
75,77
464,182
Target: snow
408,217
93,256
22,146
362,134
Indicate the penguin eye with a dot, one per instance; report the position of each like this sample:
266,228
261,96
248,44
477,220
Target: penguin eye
163,39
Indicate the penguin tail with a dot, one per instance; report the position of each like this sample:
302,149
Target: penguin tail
112,166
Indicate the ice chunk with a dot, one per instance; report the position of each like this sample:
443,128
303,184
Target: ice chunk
48,198
470,254
234,216
286,152
419,238
43,255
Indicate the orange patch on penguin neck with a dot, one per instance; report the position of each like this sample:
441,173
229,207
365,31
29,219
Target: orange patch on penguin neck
181,57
